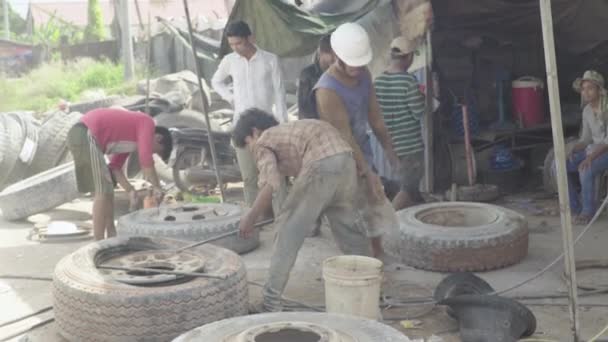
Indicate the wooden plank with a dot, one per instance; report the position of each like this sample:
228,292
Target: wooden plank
428,134
560,159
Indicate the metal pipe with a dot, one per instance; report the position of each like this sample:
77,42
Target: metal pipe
429,131
157,271
467,144
220,184
560,160
221,236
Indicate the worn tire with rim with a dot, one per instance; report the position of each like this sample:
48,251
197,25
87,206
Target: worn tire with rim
39,193
147,222
461,237
89,305
228,330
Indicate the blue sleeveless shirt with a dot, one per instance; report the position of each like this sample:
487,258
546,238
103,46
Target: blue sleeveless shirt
356,102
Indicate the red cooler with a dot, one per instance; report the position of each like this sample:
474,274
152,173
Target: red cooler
528,104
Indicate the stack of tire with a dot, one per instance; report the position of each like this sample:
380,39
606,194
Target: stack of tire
18,140
38,152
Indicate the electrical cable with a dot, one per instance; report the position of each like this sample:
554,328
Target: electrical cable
526,281
37,325
544,270
48,308
24,277
594,338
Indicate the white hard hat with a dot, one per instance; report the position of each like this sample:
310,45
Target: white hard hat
351,44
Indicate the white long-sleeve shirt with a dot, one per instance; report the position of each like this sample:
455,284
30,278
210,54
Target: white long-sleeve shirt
256,82
594,127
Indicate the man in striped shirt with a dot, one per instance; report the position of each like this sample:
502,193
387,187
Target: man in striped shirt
403,105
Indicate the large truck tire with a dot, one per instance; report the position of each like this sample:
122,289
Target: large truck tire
92,304
461,237
192,222
295,326
39,193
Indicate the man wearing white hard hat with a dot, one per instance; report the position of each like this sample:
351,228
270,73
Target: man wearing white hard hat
403,105
588,157
346,98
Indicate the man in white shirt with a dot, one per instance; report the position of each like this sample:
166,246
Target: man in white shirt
589,157
256,83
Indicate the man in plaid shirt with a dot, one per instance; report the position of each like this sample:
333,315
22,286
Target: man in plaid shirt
325,174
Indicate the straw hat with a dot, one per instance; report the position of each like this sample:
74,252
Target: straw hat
591,76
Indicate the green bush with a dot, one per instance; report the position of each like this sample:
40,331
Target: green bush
44,87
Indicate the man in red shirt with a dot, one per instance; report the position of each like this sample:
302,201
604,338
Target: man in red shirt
116,132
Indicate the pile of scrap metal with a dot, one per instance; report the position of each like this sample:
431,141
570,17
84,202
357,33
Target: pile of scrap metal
482,315
34,156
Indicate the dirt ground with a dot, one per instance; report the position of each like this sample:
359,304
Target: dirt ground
20,256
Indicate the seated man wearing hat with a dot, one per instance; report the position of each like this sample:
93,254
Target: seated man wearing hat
588,156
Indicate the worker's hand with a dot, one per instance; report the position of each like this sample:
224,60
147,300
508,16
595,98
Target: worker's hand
585,164
159,194
133,200
375,186
393,159
246,228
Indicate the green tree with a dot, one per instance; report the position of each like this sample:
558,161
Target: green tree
17,24
94,30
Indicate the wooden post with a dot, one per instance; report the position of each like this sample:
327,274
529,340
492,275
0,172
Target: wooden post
127,40
148,62
560,160
7,23
220,184
429,173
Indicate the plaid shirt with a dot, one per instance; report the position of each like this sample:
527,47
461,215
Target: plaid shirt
289,149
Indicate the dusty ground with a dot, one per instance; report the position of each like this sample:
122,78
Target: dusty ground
19,256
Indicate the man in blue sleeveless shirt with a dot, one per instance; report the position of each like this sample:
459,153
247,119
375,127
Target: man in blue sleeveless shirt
346,98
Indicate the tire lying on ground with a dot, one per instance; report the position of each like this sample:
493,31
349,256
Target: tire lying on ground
192,222
295,326
39,193
91,305
461,237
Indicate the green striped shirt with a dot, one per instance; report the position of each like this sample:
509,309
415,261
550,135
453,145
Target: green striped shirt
402,105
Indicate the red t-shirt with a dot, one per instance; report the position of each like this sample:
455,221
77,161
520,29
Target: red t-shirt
119,132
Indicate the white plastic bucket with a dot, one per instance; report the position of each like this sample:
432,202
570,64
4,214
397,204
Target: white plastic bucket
352,285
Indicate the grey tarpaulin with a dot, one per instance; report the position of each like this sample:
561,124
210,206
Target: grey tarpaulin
580,25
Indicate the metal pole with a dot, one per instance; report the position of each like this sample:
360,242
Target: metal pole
148,62
560,160
127,42
467,144
7,25
429,180
205,103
